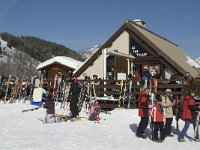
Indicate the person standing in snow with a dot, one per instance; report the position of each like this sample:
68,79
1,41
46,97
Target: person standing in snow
167,103
50,106
157,117
146,76
189,116
73,96
143,110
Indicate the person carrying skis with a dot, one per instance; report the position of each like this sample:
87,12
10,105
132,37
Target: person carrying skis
50,106
157,118
189,116
73,96
143,112
167,103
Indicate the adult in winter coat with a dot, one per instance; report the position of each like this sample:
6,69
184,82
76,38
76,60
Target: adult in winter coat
146,77
157,118
167,103
73,96
143,108
50,106
189,116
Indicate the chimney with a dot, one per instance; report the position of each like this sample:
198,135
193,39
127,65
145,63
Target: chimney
139,22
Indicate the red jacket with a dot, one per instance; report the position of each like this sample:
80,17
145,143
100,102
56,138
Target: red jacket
186,110
157,113
143,105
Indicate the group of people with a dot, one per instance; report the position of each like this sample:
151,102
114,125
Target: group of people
160,115
72,97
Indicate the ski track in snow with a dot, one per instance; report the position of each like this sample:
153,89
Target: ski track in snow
24,131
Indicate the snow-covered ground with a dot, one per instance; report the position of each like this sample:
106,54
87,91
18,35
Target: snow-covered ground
116,131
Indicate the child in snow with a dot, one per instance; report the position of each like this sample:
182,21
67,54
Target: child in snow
157,118
50,106
94,112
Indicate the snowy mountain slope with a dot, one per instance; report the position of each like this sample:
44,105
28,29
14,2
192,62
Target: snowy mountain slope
22,131
197,60
194,63
15,61
90,51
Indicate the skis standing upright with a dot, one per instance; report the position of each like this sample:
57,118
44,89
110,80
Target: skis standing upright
7,87
177,112
196,129
55,80
121,91
31,89
21,88
15,90
25,89
1,85
85,94
129,94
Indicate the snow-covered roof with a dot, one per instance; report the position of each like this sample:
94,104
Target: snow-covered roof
66,61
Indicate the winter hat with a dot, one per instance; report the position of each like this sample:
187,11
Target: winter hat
168,90
74,79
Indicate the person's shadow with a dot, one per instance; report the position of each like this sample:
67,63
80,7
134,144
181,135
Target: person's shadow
133,127
177,132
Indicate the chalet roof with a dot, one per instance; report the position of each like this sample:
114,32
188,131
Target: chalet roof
66,61
163,48
168,50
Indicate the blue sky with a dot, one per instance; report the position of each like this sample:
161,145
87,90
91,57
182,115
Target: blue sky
79,24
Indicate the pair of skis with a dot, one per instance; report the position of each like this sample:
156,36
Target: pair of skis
177,112
7,88
196,129
31,109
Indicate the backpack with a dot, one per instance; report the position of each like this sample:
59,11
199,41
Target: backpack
160,108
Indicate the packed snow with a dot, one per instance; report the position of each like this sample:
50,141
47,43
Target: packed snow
116,131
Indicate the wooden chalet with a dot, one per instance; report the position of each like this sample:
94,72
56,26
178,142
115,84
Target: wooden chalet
132,48
58,64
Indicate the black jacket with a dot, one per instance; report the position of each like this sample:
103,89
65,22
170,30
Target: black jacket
74,92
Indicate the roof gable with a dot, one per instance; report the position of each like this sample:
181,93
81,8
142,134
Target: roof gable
168,50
